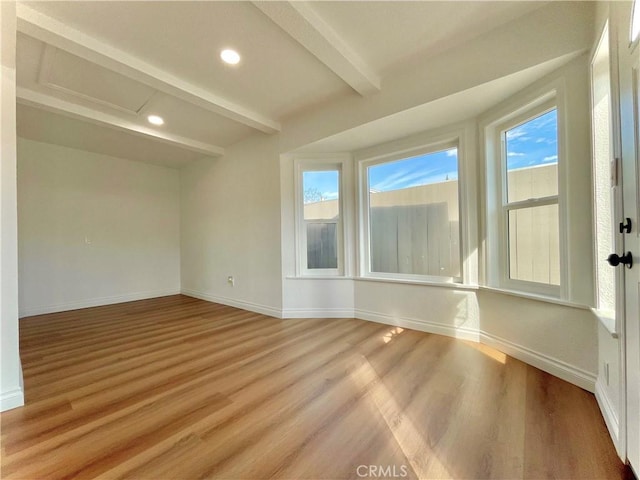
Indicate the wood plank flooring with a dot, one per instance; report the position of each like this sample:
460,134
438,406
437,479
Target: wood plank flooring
179,388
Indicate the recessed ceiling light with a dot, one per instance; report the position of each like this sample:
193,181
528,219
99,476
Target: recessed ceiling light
155,119
230,56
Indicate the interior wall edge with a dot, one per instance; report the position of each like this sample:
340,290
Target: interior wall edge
244,305
547,363
610,416
461,333
317,313
11,399
96,302
11,379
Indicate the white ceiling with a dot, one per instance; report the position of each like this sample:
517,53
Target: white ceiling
44,126
90,72
441,112
389,34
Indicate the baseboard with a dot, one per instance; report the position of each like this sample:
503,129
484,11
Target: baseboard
11,399
610,416
95,302
318,313
558,368
232,302
419,324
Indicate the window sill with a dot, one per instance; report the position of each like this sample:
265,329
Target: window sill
607,320
452,285
317,277
430,283
539,298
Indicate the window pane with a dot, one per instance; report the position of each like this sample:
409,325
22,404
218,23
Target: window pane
322,245
534,244
321,194
413,218
532,158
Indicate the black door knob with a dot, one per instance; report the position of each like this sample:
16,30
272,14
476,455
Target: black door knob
615,260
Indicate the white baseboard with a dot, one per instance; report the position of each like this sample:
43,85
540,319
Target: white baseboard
11,399
95,302
318,313
610,417
558,368
232,302
419,324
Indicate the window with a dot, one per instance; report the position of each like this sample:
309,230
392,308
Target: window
531,205
527,201
411,217
320,229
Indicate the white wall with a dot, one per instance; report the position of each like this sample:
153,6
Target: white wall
442,310
11,393
231,227
560,339
94,229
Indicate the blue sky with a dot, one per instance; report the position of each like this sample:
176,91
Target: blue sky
532,143
412,172
324,183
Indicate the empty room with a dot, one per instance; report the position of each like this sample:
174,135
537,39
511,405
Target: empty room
320,240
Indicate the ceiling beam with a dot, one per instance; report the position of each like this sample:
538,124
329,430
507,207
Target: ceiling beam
303,24
51,31
32,98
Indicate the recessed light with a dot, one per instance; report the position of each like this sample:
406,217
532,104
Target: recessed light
155,119
230,56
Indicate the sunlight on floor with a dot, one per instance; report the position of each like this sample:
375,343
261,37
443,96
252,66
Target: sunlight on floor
422,459
391,334
488,351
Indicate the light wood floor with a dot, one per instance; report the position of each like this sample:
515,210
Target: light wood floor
181,388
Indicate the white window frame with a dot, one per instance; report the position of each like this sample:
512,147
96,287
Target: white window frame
364,210
497,264
635,17
326,163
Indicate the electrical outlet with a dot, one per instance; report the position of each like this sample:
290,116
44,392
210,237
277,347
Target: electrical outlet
231,281
606,372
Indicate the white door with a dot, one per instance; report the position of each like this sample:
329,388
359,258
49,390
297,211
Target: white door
629,81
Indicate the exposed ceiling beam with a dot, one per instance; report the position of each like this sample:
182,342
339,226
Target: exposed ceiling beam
301,22
54,104
53,32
